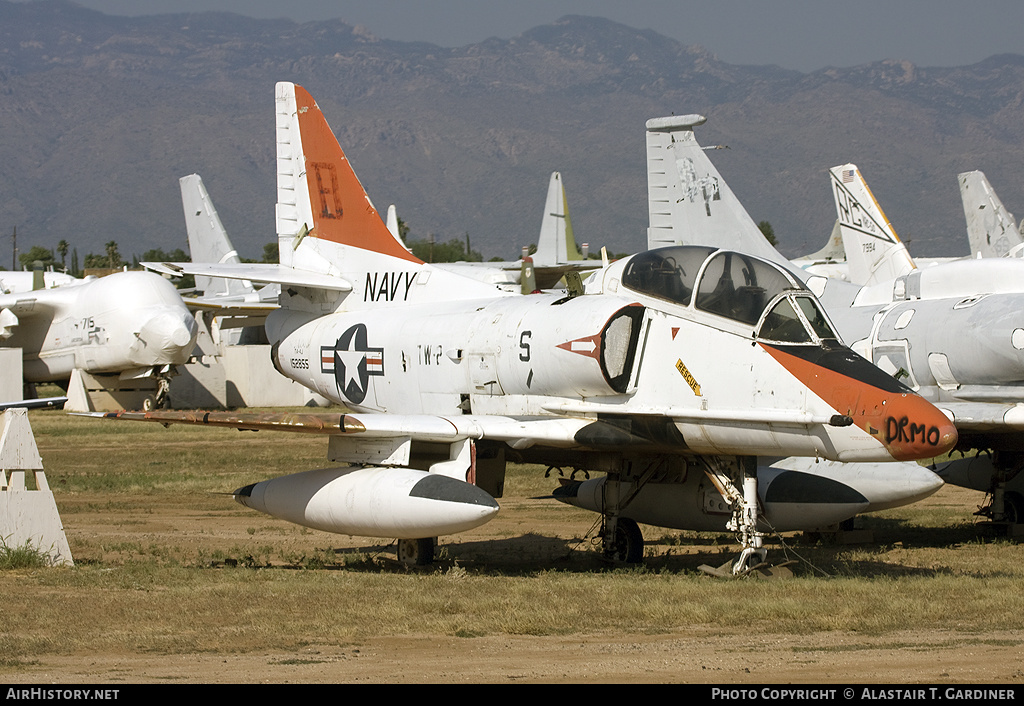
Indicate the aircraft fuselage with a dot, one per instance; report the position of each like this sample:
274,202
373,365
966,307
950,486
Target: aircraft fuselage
124,321
606,357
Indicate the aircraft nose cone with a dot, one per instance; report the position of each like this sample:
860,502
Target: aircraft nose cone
914,429
252,496
167,337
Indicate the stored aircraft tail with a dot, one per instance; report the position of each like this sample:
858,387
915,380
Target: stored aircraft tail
688,200
556,244
318,194
326,223
874,253
991,229
207,239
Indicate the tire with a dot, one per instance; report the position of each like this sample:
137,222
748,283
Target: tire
1013,508
416,552
628,545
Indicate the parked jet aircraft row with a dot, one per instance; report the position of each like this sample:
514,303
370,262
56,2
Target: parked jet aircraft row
136,325
705,378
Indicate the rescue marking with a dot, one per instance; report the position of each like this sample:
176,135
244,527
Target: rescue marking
694,385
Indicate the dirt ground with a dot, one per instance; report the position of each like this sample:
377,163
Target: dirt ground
534,535
699,656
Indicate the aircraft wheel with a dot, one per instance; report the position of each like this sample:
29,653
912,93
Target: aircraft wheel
1013,508
416,552
628,545
149,404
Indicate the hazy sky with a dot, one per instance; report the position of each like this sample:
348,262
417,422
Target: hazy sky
796,34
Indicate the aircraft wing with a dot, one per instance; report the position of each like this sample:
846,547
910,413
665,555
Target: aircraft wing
984,416
27,304
548,276
559,431
571,430
253,272
17,307
39,403
230,307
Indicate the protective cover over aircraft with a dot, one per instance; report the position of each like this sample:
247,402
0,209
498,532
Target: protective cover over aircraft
676,369
130,323
954,331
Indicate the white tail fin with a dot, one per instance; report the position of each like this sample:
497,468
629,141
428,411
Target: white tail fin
556,244
688,200
830,261
833,250
991,229
874,253
208,242
327,225
392,222
318,193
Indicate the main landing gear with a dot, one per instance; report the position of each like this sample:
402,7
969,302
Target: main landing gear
416,552
725,474
623,541
735,478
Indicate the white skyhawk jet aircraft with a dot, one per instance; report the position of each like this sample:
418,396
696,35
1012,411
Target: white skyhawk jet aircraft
952,331
685,367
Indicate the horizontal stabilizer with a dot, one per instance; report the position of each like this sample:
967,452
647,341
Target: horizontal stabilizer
254,272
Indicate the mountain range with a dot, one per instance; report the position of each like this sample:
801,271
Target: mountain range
101,115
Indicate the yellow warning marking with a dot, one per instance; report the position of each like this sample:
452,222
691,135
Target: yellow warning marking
694,385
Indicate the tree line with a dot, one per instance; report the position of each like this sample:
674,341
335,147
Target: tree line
111,259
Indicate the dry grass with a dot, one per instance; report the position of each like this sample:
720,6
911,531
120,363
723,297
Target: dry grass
165,566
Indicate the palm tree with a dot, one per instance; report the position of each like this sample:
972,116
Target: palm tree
113,256
62,248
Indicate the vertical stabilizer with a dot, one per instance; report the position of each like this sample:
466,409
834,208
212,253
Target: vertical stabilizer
393,222
327,225
991,229
833,250
319,196
556,244
208,241
688,200
874,253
